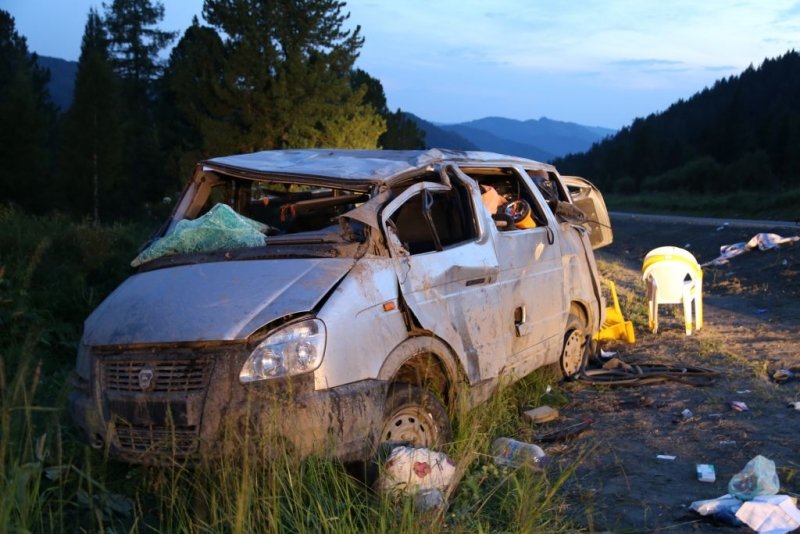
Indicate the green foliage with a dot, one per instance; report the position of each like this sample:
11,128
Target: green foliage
135,42
279,79
26,115
402,133
91,161
741,134
54,272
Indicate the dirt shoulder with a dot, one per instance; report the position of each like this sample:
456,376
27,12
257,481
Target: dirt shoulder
752,315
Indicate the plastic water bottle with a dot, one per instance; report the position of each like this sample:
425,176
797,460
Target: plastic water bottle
513,453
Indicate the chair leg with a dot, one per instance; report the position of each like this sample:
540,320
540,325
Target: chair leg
652,305
698,308
687,309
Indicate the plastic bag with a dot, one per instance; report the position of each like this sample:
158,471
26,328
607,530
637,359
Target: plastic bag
219,229
410,470
757,478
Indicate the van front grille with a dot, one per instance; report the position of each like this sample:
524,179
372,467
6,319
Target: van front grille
180,441
157,376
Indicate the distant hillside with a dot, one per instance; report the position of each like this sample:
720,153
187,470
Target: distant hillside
492,143
436,137
62,79
542,139
554,137
742,134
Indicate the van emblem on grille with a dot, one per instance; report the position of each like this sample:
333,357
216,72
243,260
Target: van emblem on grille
146,378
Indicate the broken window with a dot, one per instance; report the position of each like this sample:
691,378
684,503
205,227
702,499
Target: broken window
519,210
435,220
284,208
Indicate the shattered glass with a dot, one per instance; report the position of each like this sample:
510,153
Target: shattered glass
221,228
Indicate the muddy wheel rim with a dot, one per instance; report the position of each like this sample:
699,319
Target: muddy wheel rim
410,424
573,353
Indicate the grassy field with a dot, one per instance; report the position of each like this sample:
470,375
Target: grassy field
743,205
53,272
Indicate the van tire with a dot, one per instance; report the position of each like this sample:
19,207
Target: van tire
573,353
414,416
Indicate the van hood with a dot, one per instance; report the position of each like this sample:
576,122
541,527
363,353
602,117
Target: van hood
211,301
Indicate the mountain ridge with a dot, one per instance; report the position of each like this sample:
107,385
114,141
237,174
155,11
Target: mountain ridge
542,139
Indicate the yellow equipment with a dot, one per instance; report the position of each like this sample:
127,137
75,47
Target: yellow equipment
615,326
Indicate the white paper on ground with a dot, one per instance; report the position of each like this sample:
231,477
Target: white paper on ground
775,514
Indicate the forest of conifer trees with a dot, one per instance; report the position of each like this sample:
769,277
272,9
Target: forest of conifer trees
742,134
257,76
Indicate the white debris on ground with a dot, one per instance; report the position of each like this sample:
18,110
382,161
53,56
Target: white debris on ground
410,470
762,241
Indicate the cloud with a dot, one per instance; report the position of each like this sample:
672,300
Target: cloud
645,63
720,68
790,12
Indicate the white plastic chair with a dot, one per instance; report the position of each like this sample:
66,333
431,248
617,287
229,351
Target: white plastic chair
673,276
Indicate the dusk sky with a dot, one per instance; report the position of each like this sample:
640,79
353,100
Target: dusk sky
595,62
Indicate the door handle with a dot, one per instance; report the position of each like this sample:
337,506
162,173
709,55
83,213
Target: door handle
476,281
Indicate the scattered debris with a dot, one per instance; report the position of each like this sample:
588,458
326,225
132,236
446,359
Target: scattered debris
570,431
429,499
739,406
762,510
743,391
728,442
542,414
667,457
770,513
410,470
513,453
762,241
615,372
782,375
606,354
795,405
687,413
757,478
706,473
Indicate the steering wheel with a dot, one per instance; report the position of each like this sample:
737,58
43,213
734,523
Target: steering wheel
518,210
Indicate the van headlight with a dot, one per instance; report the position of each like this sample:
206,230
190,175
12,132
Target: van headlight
294,349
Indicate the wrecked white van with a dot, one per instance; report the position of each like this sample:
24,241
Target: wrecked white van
340,299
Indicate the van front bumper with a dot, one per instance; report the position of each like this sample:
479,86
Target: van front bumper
197,408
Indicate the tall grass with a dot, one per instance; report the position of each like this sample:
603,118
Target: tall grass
249,491
52,273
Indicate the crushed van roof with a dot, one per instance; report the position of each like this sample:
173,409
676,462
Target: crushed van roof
359,166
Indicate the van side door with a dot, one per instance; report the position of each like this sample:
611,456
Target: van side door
530,284
446,271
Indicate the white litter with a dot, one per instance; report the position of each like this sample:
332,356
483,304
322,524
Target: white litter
762,241
776,514
409,470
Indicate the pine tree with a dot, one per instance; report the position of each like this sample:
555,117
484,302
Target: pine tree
402,133
286,77
135,42
27,116
195,123
92,140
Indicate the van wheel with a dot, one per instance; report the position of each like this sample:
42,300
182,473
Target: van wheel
414,416
573,355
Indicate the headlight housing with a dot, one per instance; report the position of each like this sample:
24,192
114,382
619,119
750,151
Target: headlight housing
293,349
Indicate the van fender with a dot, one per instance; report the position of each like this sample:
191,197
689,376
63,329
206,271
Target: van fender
424,345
